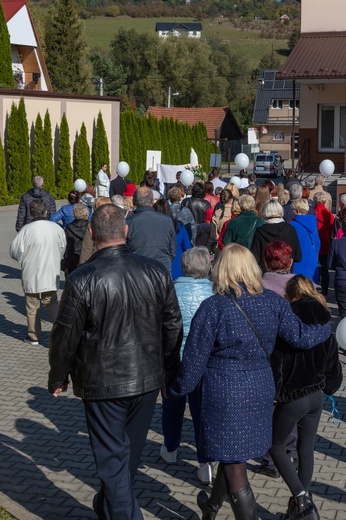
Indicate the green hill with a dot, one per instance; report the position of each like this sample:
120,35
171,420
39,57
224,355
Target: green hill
99,32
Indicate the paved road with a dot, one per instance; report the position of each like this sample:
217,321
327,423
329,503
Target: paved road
46,466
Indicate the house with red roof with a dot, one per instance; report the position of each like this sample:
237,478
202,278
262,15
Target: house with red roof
318,64
29,68
221,125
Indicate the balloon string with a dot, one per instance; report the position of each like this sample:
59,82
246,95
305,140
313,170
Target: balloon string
335,417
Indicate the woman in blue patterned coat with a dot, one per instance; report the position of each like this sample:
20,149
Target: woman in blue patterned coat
223,353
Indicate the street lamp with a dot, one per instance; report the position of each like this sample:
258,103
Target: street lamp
170,93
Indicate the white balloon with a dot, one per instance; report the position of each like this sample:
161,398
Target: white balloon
236,181
327,167
242,160
123,169
341,333
187,177
80,185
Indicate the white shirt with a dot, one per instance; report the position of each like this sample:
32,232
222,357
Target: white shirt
218,183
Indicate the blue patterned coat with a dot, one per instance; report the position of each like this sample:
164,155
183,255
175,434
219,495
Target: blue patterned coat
237,382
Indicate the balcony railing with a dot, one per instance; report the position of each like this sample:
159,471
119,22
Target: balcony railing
27,80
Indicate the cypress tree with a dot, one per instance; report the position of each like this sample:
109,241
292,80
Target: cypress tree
18,152
39,149
6,73
3,183
100,149
82,166
64,174
65,50
49,173
123,141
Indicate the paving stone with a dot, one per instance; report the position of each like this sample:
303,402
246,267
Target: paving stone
47,469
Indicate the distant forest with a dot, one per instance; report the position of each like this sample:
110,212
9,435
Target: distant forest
200,9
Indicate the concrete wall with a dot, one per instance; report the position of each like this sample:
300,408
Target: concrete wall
78,109
323,16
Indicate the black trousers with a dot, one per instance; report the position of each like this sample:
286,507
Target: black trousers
324,273
305,413
340,296
118,429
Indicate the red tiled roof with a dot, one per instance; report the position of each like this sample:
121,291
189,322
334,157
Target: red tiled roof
11,7
316,55
212,117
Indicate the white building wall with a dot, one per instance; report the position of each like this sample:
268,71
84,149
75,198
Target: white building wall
323,16
20,29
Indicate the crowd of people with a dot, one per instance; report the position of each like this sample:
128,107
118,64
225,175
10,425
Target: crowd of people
212,293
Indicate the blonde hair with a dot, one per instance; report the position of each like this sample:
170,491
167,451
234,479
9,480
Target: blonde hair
300,286
236,265
252,190
246,203
272,209
233,189
320,198
235,207
100,201
128,202
80,212
301,206
284,196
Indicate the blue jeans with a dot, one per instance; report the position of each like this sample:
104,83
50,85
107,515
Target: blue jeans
173,415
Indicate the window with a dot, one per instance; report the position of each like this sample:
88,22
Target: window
277,103
279,136
332,128
291,103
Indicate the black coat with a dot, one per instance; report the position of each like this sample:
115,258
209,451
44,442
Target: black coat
75,232
298,373
119,328
118,185
23,215
278,231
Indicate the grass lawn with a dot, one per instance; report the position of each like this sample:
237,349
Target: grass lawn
99,32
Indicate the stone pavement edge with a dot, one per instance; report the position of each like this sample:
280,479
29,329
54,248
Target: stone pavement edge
47,469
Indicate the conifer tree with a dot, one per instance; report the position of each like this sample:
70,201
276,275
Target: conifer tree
123,141
82,166
18,152
49,173
100,149
6,73
3,183
64,174
39,149
65,50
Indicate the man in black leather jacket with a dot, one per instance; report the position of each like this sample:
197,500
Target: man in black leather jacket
118,333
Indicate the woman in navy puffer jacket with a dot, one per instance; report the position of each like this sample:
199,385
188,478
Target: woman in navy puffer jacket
192,288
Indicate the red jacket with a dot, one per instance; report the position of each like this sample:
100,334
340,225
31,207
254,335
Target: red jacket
325,224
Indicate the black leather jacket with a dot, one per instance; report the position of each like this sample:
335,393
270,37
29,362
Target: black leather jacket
197,207
119,328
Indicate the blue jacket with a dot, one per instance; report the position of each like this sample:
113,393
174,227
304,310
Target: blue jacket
306,227
183,243
65,214
337,260
191,292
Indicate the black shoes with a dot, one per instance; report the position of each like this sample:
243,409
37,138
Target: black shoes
301,508
263,469
209,510
243,504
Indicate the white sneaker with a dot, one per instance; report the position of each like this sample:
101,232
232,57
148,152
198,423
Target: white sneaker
168,456
205,473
